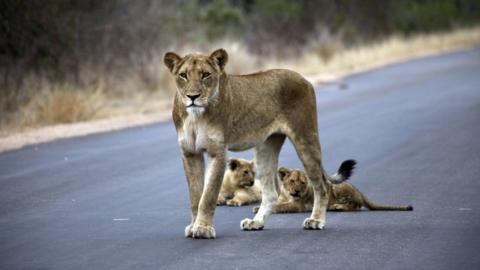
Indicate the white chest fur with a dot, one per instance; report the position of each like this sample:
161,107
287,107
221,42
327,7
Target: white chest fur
196,134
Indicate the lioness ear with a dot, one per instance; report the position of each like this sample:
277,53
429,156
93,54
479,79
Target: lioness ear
171,59
233,163
282,172
220,57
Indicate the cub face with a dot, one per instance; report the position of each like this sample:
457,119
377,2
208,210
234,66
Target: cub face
242,174
197,77
295,182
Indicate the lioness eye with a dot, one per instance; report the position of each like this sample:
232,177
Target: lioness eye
183,75
205,75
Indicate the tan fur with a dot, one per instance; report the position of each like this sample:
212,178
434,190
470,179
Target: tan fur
296,195
239,186
214,111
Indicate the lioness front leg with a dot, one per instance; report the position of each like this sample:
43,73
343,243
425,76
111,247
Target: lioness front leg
194,169
203,226
266,161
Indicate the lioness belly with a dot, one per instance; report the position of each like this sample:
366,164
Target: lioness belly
246,143
242,146
249,139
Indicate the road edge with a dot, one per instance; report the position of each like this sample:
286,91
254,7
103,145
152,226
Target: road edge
62,131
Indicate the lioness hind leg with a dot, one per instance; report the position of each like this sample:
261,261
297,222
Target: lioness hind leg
308,150
266,162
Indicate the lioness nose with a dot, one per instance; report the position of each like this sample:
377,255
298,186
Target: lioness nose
193,97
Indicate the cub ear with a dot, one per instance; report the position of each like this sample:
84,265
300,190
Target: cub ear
282,172
220,57
171,60
233,164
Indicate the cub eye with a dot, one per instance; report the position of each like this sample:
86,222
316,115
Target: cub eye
183,75
205,75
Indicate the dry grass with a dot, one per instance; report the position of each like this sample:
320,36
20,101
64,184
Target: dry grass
148,88
391,50
62,105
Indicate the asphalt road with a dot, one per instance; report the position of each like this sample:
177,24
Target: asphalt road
119,200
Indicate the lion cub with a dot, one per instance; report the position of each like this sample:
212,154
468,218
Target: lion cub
239,186
296,194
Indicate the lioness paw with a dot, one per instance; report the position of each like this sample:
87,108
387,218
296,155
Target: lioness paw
251,225
234,202
313,224
203,232
189,231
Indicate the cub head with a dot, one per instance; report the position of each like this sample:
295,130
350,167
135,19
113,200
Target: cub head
197,77
295,182
242,172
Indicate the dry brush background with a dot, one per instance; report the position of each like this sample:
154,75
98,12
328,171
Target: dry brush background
67,61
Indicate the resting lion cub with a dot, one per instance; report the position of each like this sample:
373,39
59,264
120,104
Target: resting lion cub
296,193
214,111
239,187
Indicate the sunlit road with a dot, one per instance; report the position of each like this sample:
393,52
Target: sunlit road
119,200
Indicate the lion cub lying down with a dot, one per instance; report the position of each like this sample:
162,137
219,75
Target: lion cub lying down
239,186
296,193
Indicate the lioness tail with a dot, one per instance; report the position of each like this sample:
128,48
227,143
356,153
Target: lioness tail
344,172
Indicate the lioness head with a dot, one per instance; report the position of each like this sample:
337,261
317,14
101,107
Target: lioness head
197,77
295,182
242,172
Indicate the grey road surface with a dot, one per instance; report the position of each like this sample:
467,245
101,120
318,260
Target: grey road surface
119,200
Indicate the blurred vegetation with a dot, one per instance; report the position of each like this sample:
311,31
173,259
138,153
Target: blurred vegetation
63,33
96,44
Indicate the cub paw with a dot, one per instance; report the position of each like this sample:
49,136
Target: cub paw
189,231
234,202
255,209
203,232
313,224
251,225
337,207
221,200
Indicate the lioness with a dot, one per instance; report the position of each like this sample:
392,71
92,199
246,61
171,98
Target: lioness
296,193
214,111
238,186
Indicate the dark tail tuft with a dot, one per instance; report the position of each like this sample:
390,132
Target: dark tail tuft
409,208
346,168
